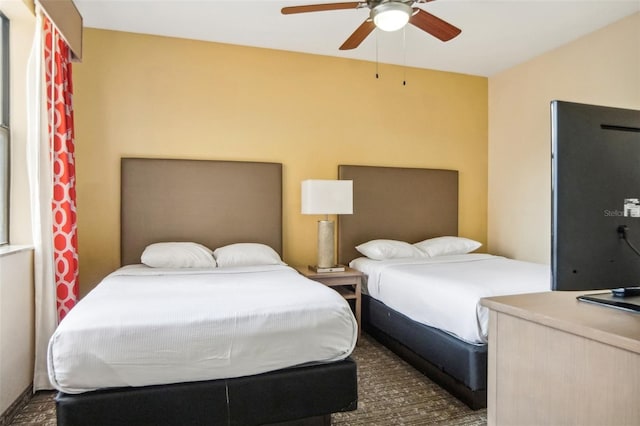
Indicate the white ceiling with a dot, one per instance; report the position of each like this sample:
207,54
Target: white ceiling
496,35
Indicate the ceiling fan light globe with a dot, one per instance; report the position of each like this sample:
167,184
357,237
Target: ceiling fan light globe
391,16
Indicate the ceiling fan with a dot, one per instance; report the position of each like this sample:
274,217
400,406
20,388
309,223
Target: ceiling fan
388,15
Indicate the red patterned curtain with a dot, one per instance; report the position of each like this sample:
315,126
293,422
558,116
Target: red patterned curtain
59,93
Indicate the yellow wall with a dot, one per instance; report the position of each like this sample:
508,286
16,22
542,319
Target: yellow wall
138,95
602,68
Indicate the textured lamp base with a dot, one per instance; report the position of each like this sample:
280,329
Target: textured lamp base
326,257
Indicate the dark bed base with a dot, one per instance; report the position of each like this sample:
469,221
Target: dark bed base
294,396
457,366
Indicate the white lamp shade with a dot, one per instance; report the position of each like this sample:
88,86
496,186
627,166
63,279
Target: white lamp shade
327,196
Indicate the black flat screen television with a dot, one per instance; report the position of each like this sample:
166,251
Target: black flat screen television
595,197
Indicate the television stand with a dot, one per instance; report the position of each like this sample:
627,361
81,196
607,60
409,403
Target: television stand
628,303
577,361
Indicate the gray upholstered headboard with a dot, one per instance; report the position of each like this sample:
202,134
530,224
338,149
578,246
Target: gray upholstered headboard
210,202
407,204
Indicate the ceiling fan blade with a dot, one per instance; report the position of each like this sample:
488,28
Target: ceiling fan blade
319,7
434,25
358,35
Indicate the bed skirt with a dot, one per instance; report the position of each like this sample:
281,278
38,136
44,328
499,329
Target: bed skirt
457,366
283,396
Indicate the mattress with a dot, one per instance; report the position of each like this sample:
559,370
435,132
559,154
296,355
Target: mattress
444,292
146,326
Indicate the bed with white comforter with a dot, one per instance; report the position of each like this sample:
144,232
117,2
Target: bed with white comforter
444,291
143,326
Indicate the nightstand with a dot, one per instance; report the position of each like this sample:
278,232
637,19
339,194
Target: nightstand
348,283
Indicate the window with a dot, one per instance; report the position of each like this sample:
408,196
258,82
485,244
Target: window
4,130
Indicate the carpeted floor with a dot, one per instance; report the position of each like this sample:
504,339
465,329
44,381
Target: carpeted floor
40,410
390,392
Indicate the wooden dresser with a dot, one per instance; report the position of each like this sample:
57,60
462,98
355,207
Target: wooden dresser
556,361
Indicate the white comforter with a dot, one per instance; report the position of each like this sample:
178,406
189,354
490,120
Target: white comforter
444,292
144,326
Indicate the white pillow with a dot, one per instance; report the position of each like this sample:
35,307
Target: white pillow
441,246
388,249
246,254
178,255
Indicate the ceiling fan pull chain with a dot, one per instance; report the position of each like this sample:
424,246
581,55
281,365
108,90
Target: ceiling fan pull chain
404,56
377,75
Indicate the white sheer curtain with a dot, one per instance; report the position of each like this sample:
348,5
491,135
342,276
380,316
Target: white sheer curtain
41,188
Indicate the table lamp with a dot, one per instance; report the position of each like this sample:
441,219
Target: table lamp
326,197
